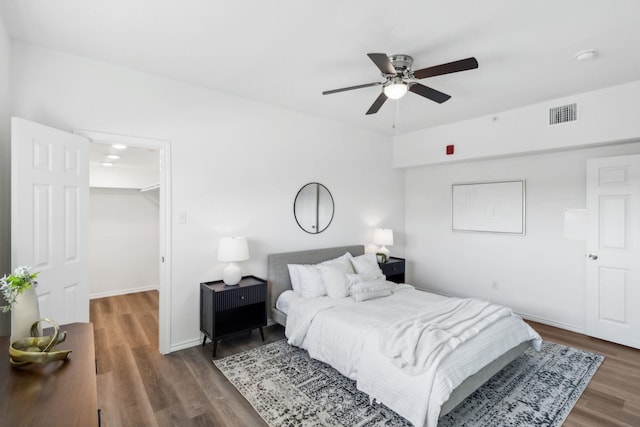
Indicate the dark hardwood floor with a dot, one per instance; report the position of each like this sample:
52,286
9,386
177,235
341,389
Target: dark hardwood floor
137,386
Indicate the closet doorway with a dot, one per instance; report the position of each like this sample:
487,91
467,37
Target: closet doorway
129,220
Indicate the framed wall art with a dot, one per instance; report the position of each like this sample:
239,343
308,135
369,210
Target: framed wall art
493,207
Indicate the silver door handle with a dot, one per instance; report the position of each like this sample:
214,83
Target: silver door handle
593,256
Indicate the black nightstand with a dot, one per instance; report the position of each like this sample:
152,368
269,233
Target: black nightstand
228,310
394,269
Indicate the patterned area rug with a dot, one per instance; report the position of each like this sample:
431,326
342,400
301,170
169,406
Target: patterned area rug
288,388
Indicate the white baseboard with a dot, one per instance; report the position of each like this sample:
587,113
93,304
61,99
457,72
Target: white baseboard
123,292
561,325
533,318
194,342
185,344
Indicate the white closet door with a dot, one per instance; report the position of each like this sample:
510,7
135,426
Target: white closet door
50,216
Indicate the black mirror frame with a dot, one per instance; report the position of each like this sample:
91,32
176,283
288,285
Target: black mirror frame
333,208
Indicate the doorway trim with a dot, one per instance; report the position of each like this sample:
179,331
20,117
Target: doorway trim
164,287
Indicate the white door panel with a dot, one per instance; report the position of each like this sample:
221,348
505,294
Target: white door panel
613,265
50,211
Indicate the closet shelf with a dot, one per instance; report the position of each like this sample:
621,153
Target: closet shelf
150,187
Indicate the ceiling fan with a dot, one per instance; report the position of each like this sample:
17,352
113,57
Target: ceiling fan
396,69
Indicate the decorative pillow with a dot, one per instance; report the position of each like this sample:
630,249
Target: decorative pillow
342,262
334,280
363,291
364,277
306,280
366,263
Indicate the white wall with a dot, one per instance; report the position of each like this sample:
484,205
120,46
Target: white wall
541,275
236,164
604,116
123,242
122,177
5,162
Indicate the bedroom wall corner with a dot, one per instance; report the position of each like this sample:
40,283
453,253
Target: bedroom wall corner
541,275
5,164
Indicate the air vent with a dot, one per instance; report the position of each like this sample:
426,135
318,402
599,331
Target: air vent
563,114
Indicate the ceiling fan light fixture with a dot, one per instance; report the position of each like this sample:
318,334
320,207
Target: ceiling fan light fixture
399,78
395,89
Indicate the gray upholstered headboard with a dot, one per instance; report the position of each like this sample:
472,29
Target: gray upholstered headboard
279,280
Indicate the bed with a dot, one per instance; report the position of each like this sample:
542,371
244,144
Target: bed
361,359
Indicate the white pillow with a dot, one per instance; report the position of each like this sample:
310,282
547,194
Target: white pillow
295,278
366,263
284,300
306,280
363,291
342,262
364,277
334,280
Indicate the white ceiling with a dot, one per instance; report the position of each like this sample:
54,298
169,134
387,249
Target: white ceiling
286,52
130,157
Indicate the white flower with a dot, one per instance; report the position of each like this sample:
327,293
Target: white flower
15,284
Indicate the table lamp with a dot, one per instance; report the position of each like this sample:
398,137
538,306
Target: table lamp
232,250
384,238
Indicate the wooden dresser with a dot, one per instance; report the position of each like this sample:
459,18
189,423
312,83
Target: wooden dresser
53,394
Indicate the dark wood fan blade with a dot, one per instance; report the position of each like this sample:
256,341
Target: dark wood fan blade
329,92
450,67
377,103
429,93
382,62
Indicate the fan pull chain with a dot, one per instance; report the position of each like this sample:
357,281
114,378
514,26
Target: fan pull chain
396,115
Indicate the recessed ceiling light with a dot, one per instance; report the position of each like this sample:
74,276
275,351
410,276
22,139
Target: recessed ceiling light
585,55
113,156
107,164
119,146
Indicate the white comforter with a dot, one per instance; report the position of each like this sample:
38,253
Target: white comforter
352,338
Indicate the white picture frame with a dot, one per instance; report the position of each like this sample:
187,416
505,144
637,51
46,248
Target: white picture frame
491,207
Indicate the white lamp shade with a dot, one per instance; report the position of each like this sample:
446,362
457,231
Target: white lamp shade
232,249
395,90
383,236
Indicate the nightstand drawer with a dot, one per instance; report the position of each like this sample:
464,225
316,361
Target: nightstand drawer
240,297
393,268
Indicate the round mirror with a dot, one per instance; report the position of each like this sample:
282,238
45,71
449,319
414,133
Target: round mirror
313,208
